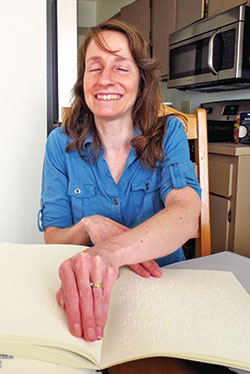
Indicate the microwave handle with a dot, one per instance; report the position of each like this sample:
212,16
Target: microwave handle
211,52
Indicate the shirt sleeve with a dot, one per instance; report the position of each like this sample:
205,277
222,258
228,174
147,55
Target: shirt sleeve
178,170
55,201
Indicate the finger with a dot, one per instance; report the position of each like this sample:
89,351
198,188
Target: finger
140,270
152,267
96,276
81,265
71,298
60,298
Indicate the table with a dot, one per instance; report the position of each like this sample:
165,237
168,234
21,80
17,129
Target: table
223,261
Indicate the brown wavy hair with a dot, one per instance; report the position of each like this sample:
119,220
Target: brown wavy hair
79,121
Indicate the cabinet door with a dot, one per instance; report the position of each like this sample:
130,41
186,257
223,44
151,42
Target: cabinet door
167,17
138,14
221,178
163,23
219,6
189,11
219,210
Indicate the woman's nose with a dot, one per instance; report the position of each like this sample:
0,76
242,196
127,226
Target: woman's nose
106,77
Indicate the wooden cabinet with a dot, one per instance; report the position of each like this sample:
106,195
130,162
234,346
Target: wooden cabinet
189,11
163,23
138,14
216,7
229,186
167,17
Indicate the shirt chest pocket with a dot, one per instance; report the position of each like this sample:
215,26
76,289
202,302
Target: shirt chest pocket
83,199
146,198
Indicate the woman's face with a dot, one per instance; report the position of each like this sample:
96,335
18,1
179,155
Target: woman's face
111,81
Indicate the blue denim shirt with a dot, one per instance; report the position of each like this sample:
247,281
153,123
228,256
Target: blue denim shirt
73,188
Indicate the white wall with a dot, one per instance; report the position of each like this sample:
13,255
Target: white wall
67,51
23,117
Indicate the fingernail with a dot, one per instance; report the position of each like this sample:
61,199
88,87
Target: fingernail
99,332
91,333
62,303
156,273
145,274
77,330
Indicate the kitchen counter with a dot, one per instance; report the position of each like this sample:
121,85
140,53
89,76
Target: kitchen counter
230,149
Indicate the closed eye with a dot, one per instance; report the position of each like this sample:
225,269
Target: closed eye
122,69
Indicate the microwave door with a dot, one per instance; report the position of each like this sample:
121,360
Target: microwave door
190,61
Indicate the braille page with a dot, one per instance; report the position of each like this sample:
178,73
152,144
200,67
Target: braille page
194,314
29,313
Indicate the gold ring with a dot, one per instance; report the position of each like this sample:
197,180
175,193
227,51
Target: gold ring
96,284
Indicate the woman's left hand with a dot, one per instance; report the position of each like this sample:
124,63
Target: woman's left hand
147,268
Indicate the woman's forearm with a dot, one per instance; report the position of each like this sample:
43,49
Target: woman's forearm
70,235
163,233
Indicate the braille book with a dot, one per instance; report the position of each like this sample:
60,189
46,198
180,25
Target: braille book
197,315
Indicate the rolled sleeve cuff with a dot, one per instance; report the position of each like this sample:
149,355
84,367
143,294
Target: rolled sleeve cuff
179,176
43,222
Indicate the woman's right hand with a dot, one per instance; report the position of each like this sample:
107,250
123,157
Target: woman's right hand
87,306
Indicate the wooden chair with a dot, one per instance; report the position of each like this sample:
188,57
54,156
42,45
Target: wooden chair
196,129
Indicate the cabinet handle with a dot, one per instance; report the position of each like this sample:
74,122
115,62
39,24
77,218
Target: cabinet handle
229,215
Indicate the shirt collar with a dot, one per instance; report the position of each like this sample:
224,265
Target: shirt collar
88,140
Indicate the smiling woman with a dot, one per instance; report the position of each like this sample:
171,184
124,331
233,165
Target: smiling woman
111,79
117,177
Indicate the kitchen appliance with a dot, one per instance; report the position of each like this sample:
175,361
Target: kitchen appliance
221,118
212,54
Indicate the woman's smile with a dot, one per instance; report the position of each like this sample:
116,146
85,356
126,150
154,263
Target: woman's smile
108,97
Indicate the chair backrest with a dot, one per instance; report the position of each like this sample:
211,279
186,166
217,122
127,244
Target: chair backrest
196,129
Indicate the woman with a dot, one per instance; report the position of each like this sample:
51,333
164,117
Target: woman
117,177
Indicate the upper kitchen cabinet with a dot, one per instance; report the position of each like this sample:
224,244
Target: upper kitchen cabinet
216,7
138,14
167,17
163,23
188,12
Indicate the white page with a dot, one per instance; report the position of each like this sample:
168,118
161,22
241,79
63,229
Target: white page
28,288
197,314
15,365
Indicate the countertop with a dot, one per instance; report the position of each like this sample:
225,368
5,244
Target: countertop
230,149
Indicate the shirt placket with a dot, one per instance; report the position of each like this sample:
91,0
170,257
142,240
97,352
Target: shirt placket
111,189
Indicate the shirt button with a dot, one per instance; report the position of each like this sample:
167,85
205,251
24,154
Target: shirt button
147,186
77,190
116,201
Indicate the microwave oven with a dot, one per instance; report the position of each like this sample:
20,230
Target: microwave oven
212,54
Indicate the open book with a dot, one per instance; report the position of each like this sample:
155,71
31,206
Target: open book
192,314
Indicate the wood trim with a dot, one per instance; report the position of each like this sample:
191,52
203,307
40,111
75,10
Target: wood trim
204,181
